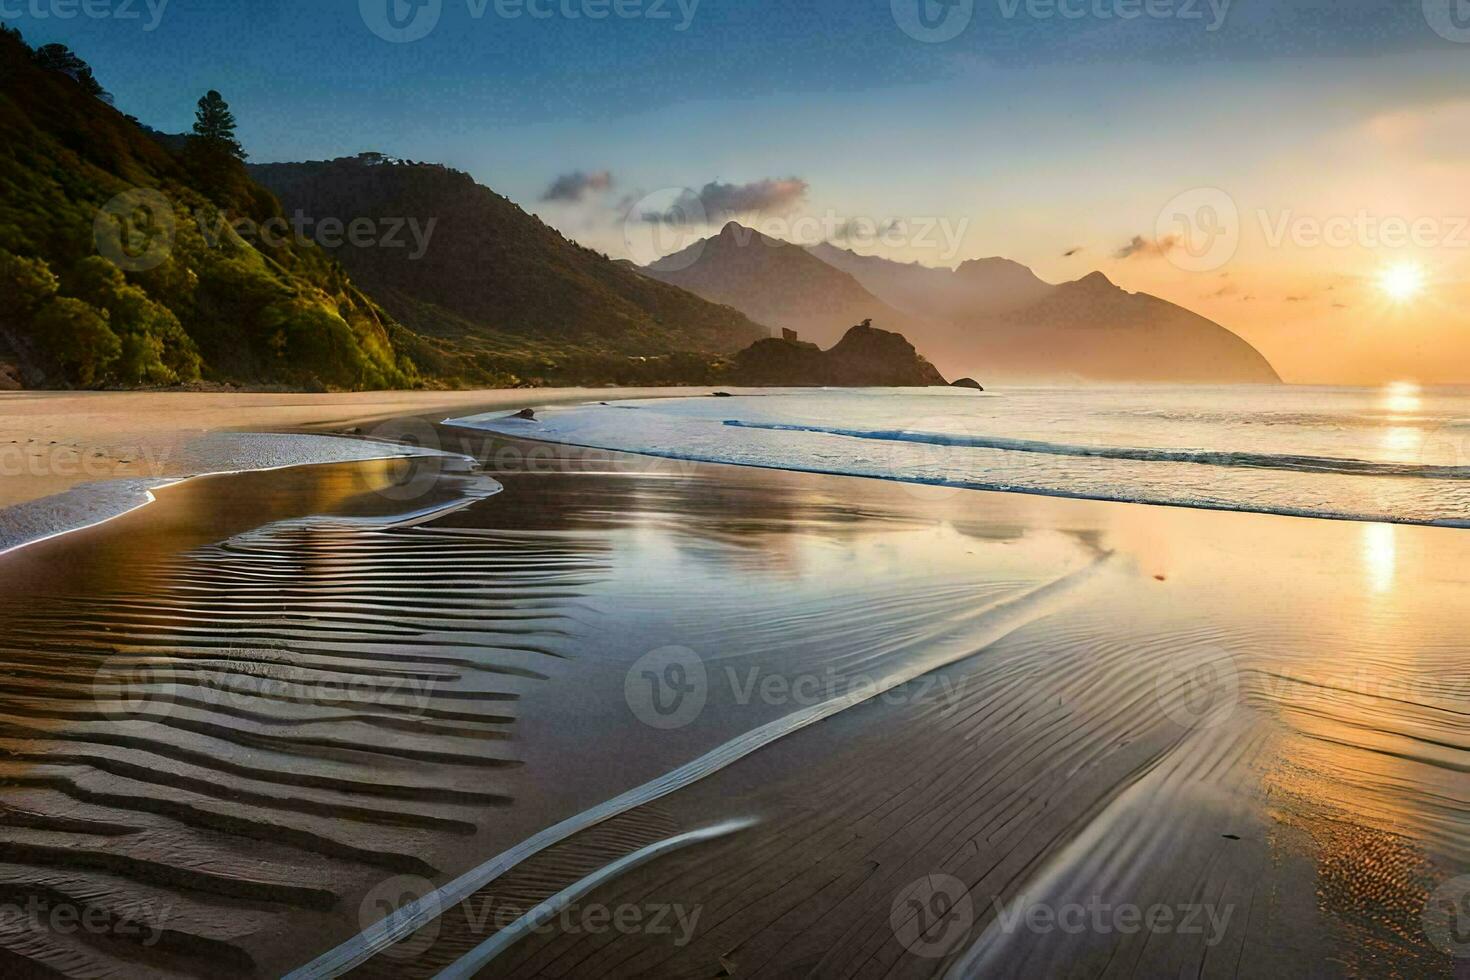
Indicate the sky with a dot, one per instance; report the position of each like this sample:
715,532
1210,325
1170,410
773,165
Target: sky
1297,170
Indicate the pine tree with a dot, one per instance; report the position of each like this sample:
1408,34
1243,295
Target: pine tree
214,125
60,58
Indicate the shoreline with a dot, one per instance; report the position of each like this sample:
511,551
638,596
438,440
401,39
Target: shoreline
149,442
91,505
114,461
572,572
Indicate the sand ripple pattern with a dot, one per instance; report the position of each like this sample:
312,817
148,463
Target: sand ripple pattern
241,736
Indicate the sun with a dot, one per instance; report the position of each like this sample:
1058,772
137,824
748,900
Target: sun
1402,282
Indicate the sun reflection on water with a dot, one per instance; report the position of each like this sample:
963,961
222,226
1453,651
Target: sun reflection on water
1402,398
1380,555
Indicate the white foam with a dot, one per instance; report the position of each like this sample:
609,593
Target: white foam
211,454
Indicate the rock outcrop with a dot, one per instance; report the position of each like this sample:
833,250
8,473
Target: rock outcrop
864,357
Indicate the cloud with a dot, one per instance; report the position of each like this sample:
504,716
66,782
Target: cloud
1438,131
715,202
1141,247
576,186
1072,251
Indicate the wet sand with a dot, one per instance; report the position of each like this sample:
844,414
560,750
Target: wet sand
52,441
252,732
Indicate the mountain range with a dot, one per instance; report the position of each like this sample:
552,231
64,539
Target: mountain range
484,293
991,318
493,284
213,280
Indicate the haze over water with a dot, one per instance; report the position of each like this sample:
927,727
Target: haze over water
1396,454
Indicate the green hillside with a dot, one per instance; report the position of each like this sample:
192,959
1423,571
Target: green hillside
479,278
120,265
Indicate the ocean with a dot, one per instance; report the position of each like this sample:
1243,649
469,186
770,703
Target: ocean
1395,454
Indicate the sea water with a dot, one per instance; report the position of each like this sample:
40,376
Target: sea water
1400,453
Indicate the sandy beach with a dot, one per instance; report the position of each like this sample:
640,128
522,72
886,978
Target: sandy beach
72,459
52,441
742,722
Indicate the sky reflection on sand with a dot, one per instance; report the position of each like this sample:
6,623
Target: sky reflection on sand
1342,748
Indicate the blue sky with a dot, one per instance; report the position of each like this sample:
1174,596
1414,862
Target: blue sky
1031,132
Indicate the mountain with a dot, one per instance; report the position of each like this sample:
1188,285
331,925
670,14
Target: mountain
482,279
864,357
1001,322
780,284
979,286
1091,329
121,262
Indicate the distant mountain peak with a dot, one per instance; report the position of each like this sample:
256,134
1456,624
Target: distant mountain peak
1095,280
991,265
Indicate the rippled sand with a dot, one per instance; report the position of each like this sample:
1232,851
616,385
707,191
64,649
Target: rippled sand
252,731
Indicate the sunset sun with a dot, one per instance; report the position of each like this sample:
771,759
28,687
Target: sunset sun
1402,282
